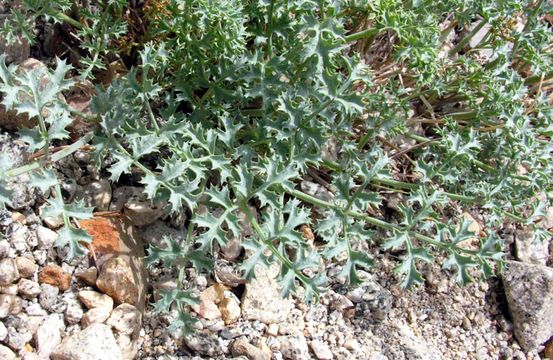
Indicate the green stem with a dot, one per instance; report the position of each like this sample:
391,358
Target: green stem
467,38
368,33
529,22
55,157
69,20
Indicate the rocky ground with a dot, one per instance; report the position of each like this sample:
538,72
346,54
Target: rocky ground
101,306
52,308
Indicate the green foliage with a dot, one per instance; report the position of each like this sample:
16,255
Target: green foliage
230,105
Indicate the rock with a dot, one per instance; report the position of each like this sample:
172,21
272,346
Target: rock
8,271
205,343
26,266
316,190
530,249
232,249
46,238
48,295
416,346
96,342
18,338
209,298
118,281
34,309
28,289
126,319
4,248
262,299
121,195
73,312
127,346
228,273
92,299
241,347
97,194
294,347
21,239
372,301
3,331
141,211
54,275
321,350
6,353
529,292
339,302
230,308
48,335
548,351
19,217
89,276
9,305
153,234
94,316
9,289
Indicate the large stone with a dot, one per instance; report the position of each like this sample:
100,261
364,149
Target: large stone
209,298
529,292
89,276
262,298
96,342
48,335
205,343
54,275
531,249
95,315
118,280
294,347
8,271
45,237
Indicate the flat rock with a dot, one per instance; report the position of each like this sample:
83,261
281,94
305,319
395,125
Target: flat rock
55,275
529,292
262,299
96,342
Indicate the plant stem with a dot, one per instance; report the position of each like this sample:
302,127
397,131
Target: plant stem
368,33
467,38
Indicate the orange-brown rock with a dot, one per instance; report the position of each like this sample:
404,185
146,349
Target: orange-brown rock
104,233
55,276
548,352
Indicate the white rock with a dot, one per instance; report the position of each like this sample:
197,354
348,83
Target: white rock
529,292
9,305
95,316
97,194
48,335
9,289
92,299
4,248
8,271
46,237
6,353
3,331
28,289
73,312
530,249
34,309
48,295
262,299
18,338
126,319
294,347
96,342
321,350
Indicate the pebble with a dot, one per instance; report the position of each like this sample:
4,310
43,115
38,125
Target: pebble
95,315
26,267
241,347
55,275
73,312
46,238
9,305
89,276
48,295
3,331
92,299
18,338
28,289
8,271
126,319
6,353
294,347
321,350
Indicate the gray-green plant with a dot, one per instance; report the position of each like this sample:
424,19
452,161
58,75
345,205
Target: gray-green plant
231,105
